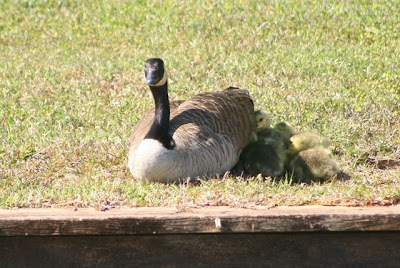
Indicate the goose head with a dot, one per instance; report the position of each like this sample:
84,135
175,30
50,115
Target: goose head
156,78
154,72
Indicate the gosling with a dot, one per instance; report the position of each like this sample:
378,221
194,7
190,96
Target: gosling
267,155
307,140
314,164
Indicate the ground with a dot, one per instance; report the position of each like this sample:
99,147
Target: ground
71,89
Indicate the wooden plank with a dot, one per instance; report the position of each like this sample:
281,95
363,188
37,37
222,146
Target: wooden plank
312,249
56,222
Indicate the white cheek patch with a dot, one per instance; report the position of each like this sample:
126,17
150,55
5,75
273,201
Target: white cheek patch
162,81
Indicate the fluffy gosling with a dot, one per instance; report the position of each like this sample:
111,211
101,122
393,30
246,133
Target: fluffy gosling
314,164
263,120
285,128
307,140
267,155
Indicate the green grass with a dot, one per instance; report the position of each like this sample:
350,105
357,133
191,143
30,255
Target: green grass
71,89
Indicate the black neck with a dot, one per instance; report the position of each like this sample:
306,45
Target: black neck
159,129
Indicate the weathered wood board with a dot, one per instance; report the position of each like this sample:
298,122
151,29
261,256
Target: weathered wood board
28,222
314,249
311,236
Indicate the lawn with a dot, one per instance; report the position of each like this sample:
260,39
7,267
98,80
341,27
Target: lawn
71,89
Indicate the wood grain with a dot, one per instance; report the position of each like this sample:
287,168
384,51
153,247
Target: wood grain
315,249
56,222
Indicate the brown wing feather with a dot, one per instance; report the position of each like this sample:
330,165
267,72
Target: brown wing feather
228,113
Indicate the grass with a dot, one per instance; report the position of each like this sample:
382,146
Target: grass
71,89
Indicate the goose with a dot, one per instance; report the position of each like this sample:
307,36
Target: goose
314,164
286,128
263,120
267,155
200,137
307,140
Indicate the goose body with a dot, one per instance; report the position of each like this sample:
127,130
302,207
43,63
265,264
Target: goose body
201,136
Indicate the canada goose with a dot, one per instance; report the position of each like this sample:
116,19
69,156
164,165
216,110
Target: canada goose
201,136
307,140
313,164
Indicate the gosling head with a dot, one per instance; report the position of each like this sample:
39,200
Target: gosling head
263,120
154,72
285,128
